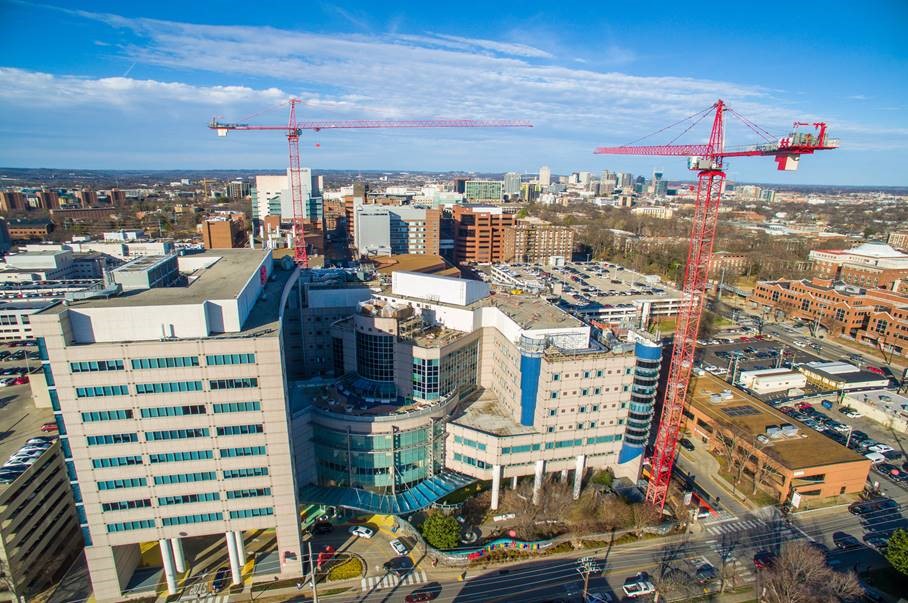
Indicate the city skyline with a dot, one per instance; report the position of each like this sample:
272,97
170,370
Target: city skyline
136,86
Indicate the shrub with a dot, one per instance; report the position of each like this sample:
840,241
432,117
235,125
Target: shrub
351,567
441,531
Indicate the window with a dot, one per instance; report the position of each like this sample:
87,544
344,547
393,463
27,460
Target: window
183,499
123,505
250,472
426,378
881,326
184,478
125,526
599,373
553,412
106,415
585,391
230,430
176,434
96,365
172,457
173,411
169,362
553,395
239,383
116,484
221,359
248,493
169,387
244,451
375,356
115,438
102,391
556,376
236,407
116,461
195,518
245,513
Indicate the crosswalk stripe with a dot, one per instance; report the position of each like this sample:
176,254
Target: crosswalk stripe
390,580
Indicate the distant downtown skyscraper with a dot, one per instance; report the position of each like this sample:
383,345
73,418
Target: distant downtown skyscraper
545,176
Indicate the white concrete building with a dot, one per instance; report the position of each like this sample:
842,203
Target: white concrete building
766,381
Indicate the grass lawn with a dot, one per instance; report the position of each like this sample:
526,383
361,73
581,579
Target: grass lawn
352,567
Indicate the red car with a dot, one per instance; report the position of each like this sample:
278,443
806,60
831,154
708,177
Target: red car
874,369
764,559
49,427
21,380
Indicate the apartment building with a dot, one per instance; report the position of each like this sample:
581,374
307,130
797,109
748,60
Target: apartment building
899,240
172,409
482,234
872,316
12,201
535,241
224,233
871,265
785,458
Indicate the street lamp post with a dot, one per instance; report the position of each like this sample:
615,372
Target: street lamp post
585,567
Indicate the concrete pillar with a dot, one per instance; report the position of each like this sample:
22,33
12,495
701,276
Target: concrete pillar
514,483
178,554
169,570
578,475
564,475
240,546
496,485
234,559
537,481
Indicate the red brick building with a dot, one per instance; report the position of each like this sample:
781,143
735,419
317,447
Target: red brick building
872,316
871,265
483,234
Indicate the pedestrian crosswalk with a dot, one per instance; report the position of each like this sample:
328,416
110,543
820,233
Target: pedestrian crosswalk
390,580
743,526
204,598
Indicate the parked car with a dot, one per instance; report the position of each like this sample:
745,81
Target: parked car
845,542
686,444
877,540
48,427
881,448
362,532
322,527
399,547
706,573
418,597
850,412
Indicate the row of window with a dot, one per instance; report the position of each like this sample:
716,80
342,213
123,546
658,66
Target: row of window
188,498
243,451
106,415
116,484
180,520
157,363
229,430
166,387
168,411
170,457
96,366
245,513
125,526
590,374
169,362
468,442
222,359
185,478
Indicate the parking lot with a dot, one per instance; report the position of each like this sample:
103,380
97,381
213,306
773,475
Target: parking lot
754,353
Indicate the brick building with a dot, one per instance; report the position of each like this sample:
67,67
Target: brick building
871,316
536,241
871,265
482,234
899,240
730,263
224,233
12,201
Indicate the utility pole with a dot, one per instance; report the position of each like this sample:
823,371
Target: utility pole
585,567
312,573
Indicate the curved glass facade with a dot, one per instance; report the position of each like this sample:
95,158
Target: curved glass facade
383,463
643,398
375,356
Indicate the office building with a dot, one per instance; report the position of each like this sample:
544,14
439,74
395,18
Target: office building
238,189
396,230
271,196
796,464
172,409
512,184
87,198
29,230
47,199
727,262
482,234
323,304
13,201
660,212
841,376
875,317
39,530
545,176
147,272
535,241
444,383
483,190
871,265
15,318
768,195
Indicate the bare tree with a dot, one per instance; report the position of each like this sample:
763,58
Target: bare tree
800,575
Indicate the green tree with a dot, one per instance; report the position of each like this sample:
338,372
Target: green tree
441,531
897,551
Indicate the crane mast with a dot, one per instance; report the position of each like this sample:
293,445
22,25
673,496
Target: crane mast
707,160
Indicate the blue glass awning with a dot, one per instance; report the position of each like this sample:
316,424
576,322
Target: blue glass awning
418,497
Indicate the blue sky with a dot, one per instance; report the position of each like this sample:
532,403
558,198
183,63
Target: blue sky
133,84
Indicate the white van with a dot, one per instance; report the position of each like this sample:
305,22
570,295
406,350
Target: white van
875,457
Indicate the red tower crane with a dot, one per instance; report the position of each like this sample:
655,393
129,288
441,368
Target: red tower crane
707,160
294,129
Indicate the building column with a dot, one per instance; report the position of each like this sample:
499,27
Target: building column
234,559
537,481
496,485
514,483
240,546
169,570
178,554
578,475
564,475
